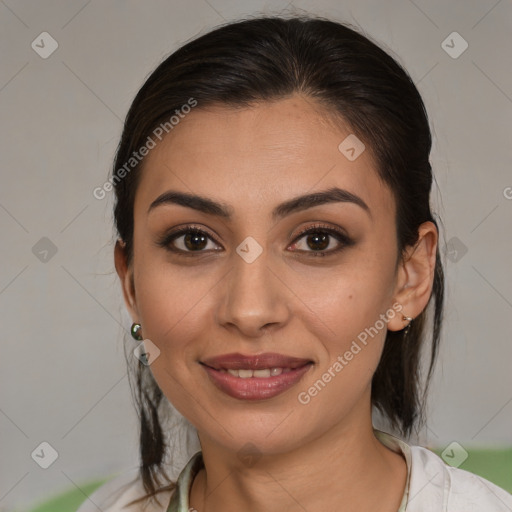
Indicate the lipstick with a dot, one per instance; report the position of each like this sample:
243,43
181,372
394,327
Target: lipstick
257,377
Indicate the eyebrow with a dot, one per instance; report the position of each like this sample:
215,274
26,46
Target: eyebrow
224,211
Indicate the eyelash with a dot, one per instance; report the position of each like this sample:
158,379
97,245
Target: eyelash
340,235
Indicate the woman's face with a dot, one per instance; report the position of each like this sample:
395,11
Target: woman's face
251,285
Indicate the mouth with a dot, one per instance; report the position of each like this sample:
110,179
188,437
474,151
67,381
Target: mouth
262,365
255,377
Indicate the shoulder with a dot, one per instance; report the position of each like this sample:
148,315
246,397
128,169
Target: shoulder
434,485
119,491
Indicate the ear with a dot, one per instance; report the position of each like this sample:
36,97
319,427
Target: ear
125,274
416,276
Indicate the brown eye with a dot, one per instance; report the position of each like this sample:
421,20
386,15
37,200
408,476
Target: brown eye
318,238
194,241
318,241
187,240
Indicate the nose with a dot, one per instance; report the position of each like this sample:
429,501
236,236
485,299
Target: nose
255,300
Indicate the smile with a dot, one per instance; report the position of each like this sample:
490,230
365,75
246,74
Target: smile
254,380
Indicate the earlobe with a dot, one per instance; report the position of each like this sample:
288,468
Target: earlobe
125,274
416,276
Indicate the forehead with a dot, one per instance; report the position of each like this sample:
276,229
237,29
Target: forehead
256,157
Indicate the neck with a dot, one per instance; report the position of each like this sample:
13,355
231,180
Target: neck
347,469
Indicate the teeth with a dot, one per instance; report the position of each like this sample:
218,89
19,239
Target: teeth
262,373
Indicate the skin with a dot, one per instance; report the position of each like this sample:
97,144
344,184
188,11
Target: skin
315,457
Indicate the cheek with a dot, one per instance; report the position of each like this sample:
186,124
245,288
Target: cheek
352,346
339,304
176,308
173,316
172,308
350,320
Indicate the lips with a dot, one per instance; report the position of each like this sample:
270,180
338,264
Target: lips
268,360
258,377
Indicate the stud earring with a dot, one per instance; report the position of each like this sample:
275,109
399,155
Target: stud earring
407,319
135,330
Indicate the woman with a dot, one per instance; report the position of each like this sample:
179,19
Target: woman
277,255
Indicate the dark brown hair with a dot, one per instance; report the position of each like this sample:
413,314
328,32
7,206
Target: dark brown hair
267,58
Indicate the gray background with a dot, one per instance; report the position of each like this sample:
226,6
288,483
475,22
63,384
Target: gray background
63,374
